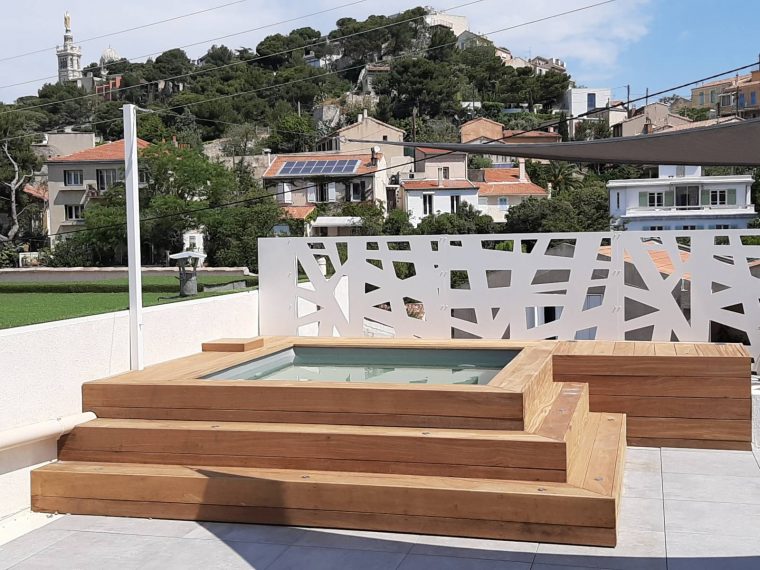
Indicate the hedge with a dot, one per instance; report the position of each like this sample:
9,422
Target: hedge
106,287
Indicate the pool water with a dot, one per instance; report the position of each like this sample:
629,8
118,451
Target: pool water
374,365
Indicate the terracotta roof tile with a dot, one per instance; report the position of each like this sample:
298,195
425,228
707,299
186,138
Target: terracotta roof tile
501,174
37,190
298,212
511,189
364,168
109,152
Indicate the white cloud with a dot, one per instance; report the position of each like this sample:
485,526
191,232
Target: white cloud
590,41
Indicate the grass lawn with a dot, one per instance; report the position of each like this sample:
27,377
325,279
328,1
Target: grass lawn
19,309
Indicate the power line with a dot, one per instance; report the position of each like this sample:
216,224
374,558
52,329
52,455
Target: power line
124,31
235,63
248,31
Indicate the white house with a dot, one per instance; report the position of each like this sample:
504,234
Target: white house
581,100
681,199
501,188
438,184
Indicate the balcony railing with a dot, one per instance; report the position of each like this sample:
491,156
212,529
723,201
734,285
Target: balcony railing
748,207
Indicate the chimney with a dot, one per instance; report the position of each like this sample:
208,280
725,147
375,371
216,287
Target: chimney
360,118
523,173
374,156
174,141
365,113
440,177
268,153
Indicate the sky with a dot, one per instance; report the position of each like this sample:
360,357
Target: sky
653,44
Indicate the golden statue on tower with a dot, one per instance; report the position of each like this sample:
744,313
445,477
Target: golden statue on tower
67,21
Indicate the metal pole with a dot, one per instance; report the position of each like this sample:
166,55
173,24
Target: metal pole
136,360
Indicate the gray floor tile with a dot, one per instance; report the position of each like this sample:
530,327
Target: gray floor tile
730,519
28,545
475,548
232,532
642,484
717,488
643,459
95,551
636,550
314,558
183,554
641,514
125,525
358,540
562,567
703,552
421,562
710,462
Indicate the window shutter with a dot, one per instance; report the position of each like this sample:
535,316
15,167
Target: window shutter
331,197
364,190
643,199
287,195
731,196
705,197
669,198
311,193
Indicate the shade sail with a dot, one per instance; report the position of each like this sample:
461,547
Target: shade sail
732,144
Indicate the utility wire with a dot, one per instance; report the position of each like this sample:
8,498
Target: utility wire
210,40
124,31
203,70
393,167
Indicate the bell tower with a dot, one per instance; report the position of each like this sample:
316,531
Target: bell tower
69,56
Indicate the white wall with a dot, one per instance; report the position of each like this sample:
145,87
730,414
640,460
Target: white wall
44,366
441,201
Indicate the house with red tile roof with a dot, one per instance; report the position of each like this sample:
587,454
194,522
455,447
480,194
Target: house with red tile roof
326,181
76,179
501,188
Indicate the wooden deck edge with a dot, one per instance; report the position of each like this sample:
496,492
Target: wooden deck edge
233,344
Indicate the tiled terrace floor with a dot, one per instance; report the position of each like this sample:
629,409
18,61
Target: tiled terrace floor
682,509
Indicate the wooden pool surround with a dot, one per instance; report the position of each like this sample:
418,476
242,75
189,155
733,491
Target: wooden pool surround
537,454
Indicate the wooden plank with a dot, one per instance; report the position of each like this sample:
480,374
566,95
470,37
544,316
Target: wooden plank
483,402
527,502
338,465
604,467
624,348
663,386
664,349
686,428
604,347
686,349
498,530
568,413
340,418
233,344
640,365
668,407
690,443
360,443
579,460
643,348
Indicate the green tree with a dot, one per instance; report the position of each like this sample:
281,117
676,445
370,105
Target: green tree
537,215
562,176
590,129
398,223
477,161
467,220
695,113
292,133
562,128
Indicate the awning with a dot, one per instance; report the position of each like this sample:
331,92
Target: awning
336,222
733,144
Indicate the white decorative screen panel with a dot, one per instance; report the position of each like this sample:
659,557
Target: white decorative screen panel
669,285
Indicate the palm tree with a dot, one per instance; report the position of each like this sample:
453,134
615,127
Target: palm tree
563,176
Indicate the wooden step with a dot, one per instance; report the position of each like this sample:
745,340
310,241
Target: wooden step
515,510
459,453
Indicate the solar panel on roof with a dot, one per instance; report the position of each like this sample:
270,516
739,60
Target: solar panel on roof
321,167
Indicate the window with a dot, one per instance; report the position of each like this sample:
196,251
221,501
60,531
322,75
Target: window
689,228
192,243
143,177
726,100
618,199
591,101
741,100
722,227
503,203
455,200
427,204
385,137
75,212
680,171
62,63
718,198
654,228
701,98
73,178
107,178
357,191
323,193
687,196
753,98
656,200
446,173
713,97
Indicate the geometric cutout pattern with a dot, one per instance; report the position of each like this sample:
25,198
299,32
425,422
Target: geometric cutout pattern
615,285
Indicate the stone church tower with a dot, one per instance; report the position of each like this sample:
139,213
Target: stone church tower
69,56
